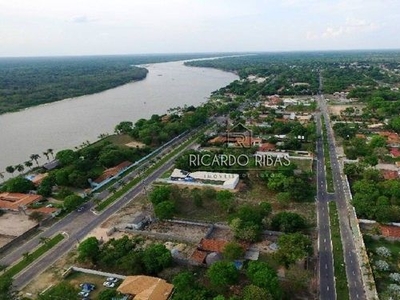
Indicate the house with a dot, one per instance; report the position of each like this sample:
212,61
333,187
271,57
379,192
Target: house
267,147
47,211
17,201
390,231
111,172
38,178
142,287
139,221
51,165
395,152
392,138
229,181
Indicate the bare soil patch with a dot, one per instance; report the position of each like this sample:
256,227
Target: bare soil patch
15,224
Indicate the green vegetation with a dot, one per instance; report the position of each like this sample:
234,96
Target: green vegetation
327,158
342,290
125,256
63,291
387,276
29,258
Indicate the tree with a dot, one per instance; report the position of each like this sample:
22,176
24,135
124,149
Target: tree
45,153
89,250
10,169
107,294
124,127
156,258
164,210
71,202
253,292
19,185
225,199
20,168
28,164
6,285
66,157
246,231
35,157
160,194
186,287
36,216
288,222
223,274
377,141
263,276
292,247
232,251
2,175
51,152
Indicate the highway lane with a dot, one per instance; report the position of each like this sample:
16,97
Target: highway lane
87,221
353,269
77,225
326,276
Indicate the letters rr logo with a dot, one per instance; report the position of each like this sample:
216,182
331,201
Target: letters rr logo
240,135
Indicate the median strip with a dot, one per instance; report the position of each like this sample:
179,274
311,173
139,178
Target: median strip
29,258
342,290
327,159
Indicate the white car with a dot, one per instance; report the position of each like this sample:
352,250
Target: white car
112,279
83,294
108,284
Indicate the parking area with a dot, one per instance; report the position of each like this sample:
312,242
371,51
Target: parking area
77,279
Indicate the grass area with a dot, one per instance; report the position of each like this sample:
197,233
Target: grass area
342,290
76,278
102,205
327,159
382,278
31,257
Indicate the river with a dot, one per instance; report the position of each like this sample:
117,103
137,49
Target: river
67,123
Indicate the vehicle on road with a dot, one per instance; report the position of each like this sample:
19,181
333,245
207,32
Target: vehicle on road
112,279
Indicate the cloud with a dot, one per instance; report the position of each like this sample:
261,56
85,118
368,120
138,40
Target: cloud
352,26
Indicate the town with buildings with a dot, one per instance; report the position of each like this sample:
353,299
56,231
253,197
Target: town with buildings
260,193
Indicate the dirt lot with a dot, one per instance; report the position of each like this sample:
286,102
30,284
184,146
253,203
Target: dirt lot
336,109
187,232
15,224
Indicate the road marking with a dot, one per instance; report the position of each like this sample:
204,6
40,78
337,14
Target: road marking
326,266
327,288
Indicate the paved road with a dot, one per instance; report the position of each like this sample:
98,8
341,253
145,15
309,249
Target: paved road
77,225
353,269
325,268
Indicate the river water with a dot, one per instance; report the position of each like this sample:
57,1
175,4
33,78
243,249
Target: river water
67,123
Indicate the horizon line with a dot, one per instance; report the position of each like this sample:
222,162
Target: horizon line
204,53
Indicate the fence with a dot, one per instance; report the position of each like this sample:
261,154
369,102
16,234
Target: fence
93,272
19,239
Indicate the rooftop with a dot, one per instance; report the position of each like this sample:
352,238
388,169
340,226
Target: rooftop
146,288
12,201
112,171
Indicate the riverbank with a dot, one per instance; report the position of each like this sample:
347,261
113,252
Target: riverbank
69,122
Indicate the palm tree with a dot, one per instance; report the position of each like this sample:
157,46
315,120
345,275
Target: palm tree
28,164
2,176
44,240
10,169
35,157
51,152
20,168
26,255
47,155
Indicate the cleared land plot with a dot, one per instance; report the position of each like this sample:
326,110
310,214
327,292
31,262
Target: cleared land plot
15,224
336,109
187,232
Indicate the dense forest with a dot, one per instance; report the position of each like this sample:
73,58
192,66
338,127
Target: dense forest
26,82
297,73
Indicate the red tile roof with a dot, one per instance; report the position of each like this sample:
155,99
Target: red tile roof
395,152
390,231
391,137
198,256
267,147
12,201
390,174
112,171
212,245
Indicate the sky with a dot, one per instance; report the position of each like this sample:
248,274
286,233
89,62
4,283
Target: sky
97,27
